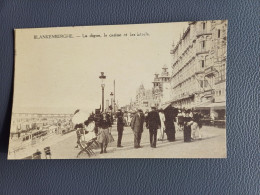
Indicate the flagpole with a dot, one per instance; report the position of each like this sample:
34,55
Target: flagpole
114,96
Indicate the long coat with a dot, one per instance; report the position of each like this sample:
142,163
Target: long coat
153,120
120,122
137,123
170,115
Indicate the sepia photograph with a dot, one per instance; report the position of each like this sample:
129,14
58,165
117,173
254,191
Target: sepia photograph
120,91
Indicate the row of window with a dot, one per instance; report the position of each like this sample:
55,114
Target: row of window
190,85
183,57
219,92
187,40
188,71
220,52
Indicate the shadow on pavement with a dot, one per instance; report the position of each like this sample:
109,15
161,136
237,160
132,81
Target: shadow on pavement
130,145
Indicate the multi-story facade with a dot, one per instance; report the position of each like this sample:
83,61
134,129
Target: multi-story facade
161,86
199,66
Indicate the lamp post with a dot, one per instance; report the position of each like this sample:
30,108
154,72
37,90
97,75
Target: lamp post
111,94
102,77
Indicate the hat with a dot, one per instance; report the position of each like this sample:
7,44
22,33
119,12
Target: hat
187,111
153,106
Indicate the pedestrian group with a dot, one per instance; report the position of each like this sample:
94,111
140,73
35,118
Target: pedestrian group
159,122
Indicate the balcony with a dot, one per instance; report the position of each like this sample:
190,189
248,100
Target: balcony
203,32
210,71
220,79
202,51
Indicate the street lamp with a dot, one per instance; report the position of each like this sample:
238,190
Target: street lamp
102,77
111,94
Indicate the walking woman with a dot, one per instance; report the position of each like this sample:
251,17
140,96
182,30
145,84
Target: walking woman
104,132
170,115
197,125
187,126
162,129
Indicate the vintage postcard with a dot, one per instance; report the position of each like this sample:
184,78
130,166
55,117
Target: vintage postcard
120,91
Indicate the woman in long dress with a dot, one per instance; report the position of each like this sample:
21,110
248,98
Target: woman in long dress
129,118
103,132
162,129
197,125
125,118
170,114
187,126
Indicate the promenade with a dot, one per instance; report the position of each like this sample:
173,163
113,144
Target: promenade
212,145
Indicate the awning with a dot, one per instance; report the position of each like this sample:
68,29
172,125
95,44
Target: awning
208,105
219,105
165,105
179,99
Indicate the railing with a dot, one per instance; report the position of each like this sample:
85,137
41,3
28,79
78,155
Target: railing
30,142
210,70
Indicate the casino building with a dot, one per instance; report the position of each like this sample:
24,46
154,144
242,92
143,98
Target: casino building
198,78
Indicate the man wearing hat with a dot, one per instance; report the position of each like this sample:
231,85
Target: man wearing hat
120,127
137,127
153,123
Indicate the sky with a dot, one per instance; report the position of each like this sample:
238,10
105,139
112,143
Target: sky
60,75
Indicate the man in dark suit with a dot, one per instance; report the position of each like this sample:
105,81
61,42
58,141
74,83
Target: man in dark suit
120,127
153,123
137,127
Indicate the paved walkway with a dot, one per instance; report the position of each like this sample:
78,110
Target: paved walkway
212,145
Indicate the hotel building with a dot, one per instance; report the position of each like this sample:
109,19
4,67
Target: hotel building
198,77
